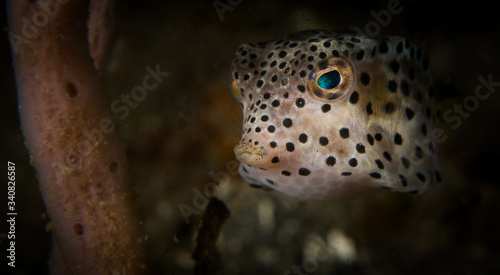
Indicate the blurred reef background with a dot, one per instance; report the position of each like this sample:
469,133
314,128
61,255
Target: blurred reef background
181,136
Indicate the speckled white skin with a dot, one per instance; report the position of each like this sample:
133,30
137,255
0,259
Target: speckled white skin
383,101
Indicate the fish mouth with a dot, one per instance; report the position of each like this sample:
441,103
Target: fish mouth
250,154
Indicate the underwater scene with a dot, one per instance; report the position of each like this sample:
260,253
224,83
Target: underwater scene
250,137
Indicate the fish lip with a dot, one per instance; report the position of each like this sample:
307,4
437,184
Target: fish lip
249,154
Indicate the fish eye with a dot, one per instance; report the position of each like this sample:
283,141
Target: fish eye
331,79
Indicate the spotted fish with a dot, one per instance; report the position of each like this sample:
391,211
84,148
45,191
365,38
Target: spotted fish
331,116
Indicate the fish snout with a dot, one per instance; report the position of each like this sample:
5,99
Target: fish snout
252,155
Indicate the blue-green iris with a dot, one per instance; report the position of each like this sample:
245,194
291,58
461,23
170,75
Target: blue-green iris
329,80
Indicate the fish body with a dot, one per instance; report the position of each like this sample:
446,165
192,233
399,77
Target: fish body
329,116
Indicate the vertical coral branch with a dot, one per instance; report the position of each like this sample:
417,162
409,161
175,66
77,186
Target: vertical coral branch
100,24
73,141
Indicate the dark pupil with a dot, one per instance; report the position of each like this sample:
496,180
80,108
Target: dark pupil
329,80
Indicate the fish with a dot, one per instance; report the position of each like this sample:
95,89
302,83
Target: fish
334,116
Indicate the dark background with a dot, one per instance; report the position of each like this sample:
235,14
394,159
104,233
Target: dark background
187,127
